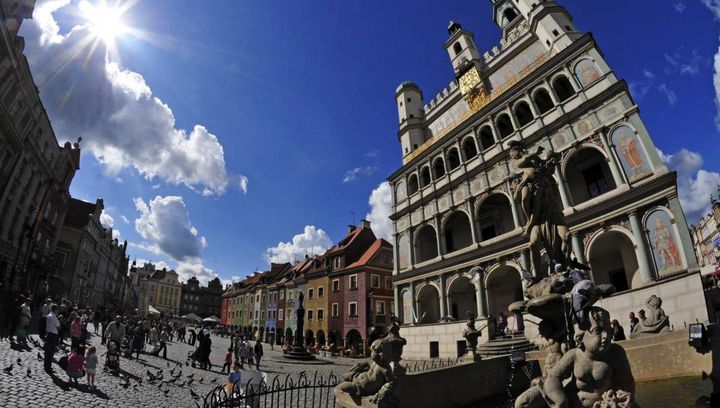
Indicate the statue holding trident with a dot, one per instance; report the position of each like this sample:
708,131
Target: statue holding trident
537,194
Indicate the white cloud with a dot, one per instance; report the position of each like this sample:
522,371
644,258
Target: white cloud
372,154
186,270
125,219
380,209
669,94
714,6
165,224
312,241
695,185
114,110
353,174
106,220
680,7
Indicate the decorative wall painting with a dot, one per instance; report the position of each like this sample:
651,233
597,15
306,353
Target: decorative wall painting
407,307
663,243
631,154
587,72
404,251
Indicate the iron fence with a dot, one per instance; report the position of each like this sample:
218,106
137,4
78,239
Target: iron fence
314,391
418,366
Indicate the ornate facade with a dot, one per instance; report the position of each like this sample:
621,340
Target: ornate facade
706,238
548,86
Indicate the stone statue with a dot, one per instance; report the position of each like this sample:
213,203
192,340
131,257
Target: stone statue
595,375
471,334
537,193
377,380
299,333
655,322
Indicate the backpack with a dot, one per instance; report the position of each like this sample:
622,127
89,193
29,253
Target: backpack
63,363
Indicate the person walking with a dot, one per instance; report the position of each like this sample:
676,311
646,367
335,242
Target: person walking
228,360
97,318
24,321
52,334
44,311
116,331
163,344
258,349
91,362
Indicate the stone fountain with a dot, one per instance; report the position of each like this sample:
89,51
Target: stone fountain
298,352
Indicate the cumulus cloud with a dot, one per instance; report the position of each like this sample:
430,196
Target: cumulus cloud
165,224
122,123
312,241
695,185
106,220
380,209
186,270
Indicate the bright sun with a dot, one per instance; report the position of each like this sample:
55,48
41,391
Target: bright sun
105,21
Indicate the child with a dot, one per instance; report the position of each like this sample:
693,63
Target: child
228,360
234,379
75,365
91,361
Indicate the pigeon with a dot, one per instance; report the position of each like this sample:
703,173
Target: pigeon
167,364
214,380
194,394
18,361
166,391
8,369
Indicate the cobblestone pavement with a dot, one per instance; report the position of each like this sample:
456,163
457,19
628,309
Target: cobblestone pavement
27,385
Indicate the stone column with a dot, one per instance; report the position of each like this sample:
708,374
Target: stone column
411,250
513,207
495,133
471,213
612,161
438,235
443,297
577,247
641,250
412,303
396,299
562,187
480,297
396,254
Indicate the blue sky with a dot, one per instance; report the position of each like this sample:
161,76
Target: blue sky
222,134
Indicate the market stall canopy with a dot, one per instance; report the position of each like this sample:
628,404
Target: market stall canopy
211,319
152,310
193,317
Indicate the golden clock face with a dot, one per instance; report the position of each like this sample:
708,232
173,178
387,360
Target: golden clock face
469,80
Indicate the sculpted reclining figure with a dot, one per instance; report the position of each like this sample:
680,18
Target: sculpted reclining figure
655,322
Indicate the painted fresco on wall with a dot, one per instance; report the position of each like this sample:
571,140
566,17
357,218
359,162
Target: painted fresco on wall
400,192
404,251
631,154
664,244
587,72
447,119
511,70
611,110
407,307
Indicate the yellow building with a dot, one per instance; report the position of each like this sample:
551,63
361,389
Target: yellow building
316,306
167,292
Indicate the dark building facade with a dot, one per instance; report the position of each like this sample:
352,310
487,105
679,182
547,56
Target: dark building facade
202,301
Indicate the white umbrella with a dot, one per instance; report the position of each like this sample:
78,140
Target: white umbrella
211,319
193,317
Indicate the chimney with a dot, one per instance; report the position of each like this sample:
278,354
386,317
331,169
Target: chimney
351,228
365,223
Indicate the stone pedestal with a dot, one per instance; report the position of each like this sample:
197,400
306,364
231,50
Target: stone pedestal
299,353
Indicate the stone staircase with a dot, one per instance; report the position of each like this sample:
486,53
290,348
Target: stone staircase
505,346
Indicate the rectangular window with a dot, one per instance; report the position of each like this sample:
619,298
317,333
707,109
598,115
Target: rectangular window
336,285
352,309
380,308
434,349
262,315
310,314
321,291
337,262
374,281
289,313
282,295
353,282
280,314
311,293
321,314
388,282
334,310
256,314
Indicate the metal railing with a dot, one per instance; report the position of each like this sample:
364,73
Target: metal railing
297,391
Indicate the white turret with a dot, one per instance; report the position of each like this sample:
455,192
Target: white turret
461,48
551,23
409,100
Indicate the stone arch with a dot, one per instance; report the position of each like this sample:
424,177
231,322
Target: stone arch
485,135
309,337
354,340
543,100
523,113
320,337
428,304
494,216
587,173
413,185
469,148
403,244
453,158
461,297
586,71
503,284
400,191
456,231
425,243
334,338
611,254
438,167
562,87
425,178
504,125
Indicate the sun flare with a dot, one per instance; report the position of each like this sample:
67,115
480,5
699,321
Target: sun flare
104,21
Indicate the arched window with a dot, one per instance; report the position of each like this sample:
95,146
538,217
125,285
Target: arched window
469,149
543,101
523,113
425,244
457,232
509,15
457,48
413,184
439,167
425,178
486,137
504,125
453,159
562,87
